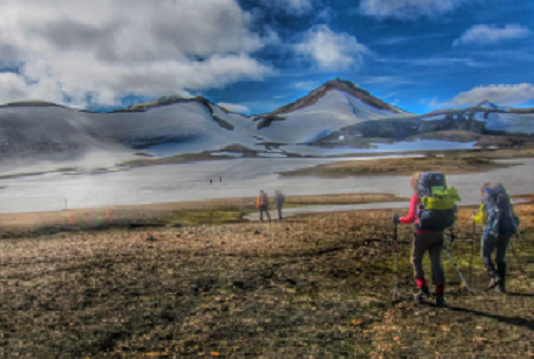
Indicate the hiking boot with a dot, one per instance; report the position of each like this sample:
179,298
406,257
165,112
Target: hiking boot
440,301
495,280
501,270
423,295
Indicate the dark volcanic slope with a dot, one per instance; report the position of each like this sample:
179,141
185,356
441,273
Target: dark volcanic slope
340,85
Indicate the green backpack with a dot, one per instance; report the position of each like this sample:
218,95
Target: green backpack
438,207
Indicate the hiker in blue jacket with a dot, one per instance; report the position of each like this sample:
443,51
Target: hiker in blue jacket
497,215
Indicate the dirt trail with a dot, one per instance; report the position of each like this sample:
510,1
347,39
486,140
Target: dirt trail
317,286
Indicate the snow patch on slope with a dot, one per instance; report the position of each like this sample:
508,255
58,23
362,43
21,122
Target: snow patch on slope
332,112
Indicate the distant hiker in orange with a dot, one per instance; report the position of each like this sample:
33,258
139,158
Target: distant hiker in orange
262,203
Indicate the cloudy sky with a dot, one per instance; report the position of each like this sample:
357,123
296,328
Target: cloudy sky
253,56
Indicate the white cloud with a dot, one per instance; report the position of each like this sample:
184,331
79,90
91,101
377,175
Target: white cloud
102,50
332,51
501,94
12,87
293,7
409,9
234,107
306,85
489,34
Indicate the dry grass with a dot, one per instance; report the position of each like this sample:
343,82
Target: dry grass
315,286
450,164
213,211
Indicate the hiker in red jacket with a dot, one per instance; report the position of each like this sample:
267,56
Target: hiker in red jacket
425,240
262,203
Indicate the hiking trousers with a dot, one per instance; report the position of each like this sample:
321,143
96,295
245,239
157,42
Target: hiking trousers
431,241
263,208
279,207
491,243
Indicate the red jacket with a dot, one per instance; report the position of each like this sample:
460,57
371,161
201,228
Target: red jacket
411,217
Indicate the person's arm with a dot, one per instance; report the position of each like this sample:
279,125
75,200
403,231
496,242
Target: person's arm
481,217
412,212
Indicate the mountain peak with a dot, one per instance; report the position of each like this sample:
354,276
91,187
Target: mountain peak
340,85
489,105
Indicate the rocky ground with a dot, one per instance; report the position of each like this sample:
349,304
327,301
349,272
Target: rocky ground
317,286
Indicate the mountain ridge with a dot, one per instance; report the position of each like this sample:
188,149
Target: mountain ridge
342,85
337,114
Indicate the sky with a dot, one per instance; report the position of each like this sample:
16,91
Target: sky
253,56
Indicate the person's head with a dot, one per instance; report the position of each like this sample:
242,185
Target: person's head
483,188
261,191
416,178
277,191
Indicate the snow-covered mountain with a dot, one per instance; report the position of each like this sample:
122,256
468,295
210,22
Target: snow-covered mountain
34,132
338,113
473,124
334,105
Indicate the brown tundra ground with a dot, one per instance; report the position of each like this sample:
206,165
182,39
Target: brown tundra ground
315,286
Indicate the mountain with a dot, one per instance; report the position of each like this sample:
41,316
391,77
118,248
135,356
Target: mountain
37,132
38,135
333,105
472,124
337,85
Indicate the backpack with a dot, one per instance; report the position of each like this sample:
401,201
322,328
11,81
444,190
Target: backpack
263,200
504,221
438,207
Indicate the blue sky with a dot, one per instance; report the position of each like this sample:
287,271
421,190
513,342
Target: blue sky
253,56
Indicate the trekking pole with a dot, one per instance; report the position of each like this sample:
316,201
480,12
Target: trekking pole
395,263
449,254
472,249
519,264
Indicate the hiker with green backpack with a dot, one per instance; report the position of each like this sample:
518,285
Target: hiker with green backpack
496,213
432,209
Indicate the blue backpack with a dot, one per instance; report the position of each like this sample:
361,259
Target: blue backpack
502,219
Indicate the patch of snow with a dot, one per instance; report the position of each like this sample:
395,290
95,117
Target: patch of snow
434,117
508,122
229,154
271,155
420,145
332,112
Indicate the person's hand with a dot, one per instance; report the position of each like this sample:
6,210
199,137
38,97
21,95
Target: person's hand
396,218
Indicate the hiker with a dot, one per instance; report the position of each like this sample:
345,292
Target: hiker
496,213
279,200
262,204
424,240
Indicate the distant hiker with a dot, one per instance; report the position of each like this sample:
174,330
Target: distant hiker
425,239
262,203
279,200
211,181
496,213
220,179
